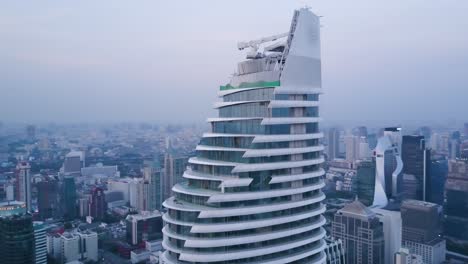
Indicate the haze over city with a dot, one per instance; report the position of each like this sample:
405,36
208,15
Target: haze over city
163,61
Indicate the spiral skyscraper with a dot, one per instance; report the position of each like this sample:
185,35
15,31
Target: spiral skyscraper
253,192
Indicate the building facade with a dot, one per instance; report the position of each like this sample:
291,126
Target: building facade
438,175
142,227
73,246
73,163
403,256
389,166
153,176
421,229
334,251
40,243
392,226
68,197
416,160
48,199
70,246
16,234
97,204
253,191
88,245
361,232
456,204
333,143
352,144
365,182
23,183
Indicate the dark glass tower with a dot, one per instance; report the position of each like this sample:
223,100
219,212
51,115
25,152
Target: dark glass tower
438,175
416,161
421,229
98,205
366,182
69,197
456,206
16,234
421,221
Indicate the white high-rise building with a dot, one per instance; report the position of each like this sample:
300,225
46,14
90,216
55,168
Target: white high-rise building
253,192
89,245
364,150
70,243
23,178
133,193
40,243
54,246
352,148
389,166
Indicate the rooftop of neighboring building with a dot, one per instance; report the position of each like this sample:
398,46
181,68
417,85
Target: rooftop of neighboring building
38,225
69,236
357,209
144,215
416,204
10,208
88,233
140,251
75,153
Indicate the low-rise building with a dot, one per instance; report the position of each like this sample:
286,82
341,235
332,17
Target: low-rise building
73,246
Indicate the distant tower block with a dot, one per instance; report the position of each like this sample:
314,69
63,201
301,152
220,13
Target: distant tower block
23,183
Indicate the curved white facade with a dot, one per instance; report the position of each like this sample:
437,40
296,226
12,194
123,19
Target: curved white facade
253,192
386,154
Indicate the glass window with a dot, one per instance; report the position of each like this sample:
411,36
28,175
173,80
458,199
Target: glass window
228,142
239,127
257,109
250,95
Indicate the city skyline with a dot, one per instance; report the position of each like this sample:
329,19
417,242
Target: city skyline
101,62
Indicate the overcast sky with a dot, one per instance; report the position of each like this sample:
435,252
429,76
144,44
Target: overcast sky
75,61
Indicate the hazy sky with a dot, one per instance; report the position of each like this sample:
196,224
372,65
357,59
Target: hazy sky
78,61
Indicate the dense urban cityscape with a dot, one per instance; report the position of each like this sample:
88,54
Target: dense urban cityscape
265,181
